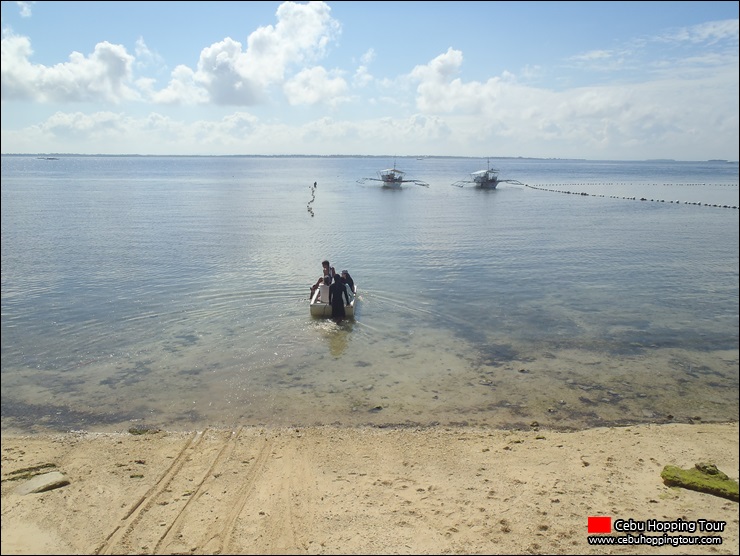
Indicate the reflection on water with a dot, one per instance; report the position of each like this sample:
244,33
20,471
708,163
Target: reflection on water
337,336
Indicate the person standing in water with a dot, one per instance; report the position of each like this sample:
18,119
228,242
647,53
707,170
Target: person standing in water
349,282
337,295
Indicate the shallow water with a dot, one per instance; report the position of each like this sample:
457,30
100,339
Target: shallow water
173,292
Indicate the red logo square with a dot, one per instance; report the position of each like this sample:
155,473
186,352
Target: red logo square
599,524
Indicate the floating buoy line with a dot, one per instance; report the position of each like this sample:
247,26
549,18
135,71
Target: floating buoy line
585,194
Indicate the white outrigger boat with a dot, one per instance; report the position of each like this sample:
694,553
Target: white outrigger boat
485,179
320,306
393,177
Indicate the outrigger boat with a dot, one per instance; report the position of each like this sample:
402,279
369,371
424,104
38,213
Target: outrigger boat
393,177
486,179
320,306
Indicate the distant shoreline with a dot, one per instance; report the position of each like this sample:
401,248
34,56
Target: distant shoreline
53,156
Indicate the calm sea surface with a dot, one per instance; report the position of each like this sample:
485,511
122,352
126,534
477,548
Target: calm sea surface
172,292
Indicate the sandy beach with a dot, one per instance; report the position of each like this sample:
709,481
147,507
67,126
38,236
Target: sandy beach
331,490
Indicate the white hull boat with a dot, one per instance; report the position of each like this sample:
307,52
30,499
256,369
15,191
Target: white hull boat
485,179
320,306
393,177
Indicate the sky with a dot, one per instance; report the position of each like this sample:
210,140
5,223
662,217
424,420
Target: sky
585,80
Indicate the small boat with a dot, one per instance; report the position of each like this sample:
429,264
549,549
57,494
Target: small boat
485,179
393,177
320,306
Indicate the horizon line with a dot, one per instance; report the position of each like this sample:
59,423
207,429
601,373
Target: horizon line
718,160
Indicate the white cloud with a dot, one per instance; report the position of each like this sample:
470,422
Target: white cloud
227,77
76,125
618,120
113,133
594,55
243,78
439,93
362,77
25,8
441,69
225,74
101,77
677,102
145,58
182,89
15,71
711,32
315,85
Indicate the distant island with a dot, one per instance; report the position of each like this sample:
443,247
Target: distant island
56,156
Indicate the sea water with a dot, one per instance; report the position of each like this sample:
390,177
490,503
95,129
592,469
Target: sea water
172,292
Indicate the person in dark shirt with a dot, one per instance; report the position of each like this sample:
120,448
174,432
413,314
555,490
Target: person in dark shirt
337,295
349,281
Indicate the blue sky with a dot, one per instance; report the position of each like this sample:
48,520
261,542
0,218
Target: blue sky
593,80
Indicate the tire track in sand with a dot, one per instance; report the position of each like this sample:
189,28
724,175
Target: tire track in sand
279,509
198,488
175,527
222,539
194,489
142,505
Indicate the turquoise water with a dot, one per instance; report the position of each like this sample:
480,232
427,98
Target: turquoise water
173,292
